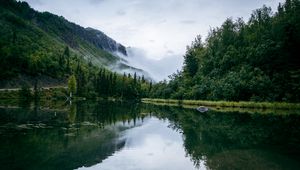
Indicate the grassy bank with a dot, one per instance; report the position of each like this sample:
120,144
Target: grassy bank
195,103
44,93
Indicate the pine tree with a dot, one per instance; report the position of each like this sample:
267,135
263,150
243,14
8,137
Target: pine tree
134,79
72,85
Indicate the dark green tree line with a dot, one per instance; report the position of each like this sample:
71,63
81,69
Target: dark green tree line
256,60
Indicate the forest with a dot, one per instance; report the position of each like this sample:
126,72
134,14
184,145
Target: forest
40,44
256,60
34,42
72,98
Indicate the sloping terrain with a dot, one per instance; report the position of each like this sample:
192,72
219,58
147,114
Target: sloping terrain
40,43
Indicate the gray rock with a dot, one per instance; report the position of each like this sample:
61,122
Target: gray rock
202,109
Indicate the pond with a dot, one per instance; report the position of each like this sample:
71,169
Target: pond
130,136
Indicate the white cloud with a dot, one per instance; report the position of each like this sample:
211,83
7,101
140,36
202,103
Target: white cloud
155,26
159,69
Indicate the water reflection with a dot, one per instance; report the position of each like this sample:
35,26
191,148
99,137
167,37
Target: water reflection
235,140
151,146
107,135
66,137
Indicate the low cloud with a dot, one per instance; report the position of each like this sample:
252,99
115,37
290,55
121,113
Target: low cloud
121,13
188,22
96,1
172,24
158,69
35,2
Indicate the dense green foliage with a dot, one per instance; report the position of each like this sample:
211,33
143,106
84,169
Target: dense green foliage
72,85
34,43
258,60
104,83
26,48
43,44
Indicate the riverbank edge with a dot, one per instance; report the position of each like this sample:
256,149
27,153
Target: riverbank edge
55,94
240,104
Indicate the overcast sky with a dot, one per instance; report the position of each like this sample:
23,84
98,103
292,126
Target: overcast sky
160,28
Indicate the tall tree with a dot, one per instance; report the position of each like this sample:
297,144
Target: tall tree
72,85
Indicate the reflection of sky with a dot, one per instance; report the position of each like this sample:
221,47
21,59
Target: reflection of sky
150,146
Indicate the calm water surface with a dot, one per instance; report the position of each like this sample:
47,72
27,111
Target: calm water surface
129,136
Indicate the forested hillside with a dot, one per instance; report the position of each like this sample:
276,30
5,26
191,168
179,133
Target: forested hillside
258,60
37,49
43,44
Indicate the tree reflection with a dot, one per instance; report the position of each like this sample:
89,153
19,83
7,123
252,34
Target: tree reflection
72,113
57,136
235,140
71,136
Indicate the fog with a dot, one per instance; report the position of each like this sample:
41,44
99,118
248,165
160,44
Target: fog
158,69
159,30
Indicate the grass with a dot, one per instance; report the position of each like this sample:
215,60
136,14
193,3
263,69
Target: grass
49,93
242,104
9,94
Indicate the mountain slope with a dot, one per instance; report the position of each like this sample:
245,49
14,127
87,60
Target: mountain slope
34,43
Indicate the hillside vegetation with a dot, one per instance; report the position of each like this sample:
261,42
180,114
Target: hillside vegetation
258,60
34,44
41,48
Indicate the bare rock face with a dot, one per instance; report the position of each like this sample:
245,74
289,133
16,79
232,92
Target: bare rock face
99,39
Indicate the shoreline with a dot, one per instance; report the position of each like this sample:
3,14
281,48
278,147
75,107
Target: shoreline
225,104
